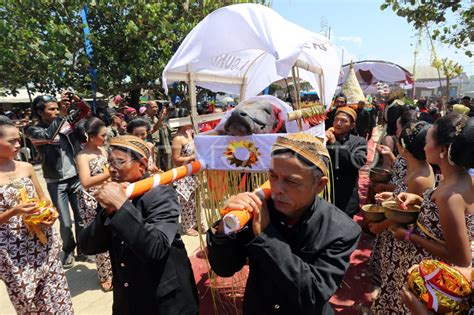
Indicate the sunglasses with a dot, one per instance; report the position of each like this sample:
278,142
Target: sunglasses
48,98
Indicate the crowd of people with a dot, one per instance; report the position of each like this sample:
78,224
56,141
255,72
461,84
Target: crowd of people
297,245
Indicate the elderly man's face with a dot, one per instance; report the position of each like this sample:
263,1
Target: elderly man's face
294,185
124,167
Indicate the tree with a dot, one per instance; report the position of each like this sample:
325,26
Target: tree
426,14
450,70
43,42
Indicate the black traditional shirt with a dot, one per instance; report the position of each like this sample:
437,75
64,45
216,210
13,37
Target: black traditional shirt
292,269
151,270
348,155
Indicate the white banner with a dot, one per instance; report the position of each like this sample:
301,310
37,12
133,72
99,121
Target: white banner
250,153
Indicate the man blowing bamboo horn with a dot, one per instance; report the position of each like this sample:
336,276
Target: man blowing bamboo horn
151,270
297,244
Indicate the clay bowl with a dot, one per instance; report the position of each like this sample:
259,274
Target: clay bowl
402,216
379,175
373,213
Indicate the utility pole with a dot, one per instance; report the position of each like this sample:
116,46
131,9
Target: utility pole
415,54
325,29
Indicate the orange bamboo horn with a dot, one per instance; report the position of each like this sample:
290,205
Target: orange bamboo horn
235,220
144,185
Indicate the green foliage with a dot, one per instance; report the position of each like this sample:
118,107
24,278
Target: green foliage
43,42
426,14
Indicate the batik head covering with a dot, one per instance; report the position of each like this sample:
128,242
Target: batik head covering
347,110
307,146
132,143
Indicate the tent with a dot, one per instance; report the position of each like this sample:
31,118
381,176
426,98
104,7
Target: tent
243,48
369,72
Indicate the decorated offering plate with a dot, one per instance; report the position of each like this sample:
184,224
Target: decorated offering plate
440,287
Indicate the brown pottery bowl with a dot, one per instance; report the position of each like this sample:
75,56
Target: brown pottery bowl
373,213
402,216
379,175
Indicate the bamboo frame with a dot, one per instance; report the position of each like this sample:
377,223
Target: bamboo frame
178,122
214,187
191,77
204,77
192,101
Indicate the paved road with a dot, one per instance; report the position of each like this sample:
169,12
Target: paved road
87,296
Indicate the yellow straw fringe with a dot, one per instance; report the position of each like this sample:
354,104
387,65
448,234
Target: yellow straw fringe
213,188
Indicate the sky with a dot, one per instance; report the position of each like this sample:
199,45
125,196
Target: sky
363,31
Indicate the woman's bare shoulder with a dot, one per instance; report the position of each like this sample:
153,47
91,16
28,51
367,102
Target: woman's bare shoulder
23,166
103,151
84,156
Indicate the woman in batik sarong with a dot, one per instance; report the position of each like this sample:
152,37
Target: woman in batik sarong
417,179
445,226
31,269
183,153
91,164
397,184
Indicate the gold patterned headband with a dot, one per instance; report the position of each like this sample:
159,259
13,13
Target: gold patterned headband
132,143
309,147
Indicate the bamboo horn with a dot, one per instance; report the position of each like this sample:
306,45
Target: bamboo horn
142,186
235,220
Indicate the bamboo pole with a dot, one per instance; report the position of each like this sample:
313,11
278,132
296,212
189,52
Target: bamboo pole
243,87
297,96
193,101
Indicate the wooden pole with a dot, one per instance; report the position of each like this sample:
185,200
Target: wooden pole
322,95
193,101
296,105
243,87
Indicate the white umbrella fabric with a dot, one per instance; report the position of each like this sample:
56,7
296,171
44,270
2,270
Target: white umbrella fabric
253,43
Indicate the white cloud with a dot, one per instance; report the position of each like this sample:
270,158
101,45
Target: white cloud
353,39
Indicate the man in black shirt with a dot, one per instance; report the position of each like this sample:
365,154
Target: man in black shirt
297,244
151,270
348,154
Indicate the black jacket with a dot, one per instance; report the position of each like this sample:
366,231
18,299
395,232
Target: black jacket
151,270
330,115
363,122
49,142
292,269
348,155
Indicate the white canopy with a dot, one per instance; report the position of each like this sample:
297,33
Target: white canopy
434,84
243,48
369,72
22,97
